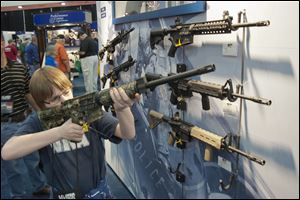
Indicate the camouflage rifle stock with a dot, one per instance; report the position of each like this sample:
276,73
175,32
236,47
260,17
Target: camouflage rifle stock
114,74
85,109
183,34
183,88
110,47
182,132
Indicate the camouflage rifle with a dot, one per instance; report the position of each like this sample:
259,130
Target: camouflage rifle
87,108
114,74
183,34
110,48
184,88
183,132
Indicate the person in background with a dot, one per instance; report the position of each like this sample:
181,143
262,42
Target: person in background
72,36
22,47
11,51
88,54
74,161
67,40
32,55
18,43
62,59
50,56
94,36
15,100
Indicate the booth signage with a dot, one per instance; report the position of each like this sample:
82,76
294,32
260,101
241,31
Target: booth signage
61,18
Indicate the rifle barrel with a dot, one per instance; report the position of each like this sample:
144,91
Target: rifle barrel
260,23
247,155
193,72
254,99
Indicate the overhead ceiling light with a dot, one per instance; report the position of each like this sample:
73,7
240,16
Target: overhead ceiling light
20,7
63,3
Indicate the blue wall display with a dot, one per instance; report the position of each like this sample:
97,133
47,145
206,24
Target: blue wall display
147,164
155,162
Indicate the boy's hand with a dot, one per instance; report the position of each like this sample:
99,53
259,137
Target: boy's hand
121,100
71,131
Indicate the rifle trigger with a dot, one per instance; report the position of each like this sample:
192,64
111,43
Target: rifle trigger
179,141
85,127
179,43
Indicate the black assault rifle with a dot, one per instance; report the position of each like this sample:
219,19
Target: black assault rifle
183,132
184,88
110,47
113,75
183,34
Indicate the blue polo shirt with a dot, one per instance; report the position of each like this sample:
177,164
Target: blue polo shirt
50,61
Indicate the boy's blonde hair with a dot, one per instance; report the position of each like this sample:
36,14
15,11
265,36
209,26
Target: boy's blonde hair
42,83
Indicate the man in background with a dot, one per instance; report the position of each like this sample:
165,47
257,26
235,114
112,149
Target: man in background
11,50
21,48
62,59
32,55
89,61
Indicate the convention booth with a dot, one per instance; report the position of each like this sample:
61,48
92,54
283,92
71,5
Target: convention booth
68,23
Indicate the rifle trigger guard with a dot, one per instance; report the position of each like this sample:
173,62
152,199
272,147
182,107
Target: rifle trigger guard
178,44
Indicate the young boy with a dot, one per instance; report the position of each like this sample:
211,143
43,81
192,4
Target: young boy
74,170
